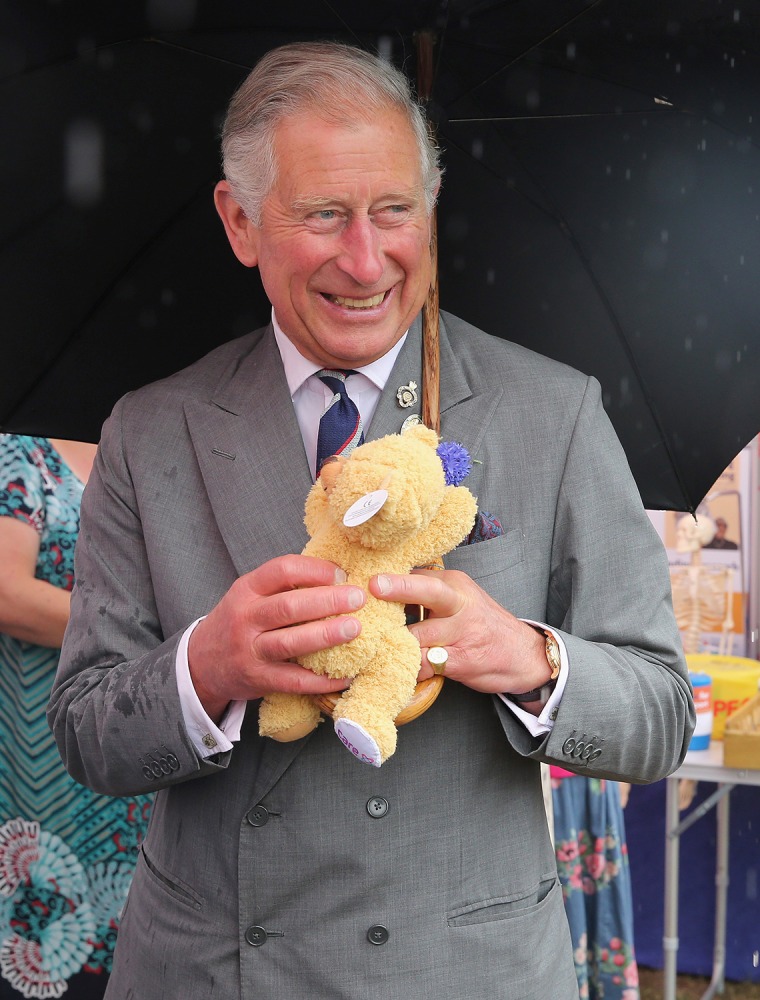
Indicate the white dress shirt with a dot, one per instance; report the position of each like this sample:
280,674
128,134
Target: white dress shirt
310,399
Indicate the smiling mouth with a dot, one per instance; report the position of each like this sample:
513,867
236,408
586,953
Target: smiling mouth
349,303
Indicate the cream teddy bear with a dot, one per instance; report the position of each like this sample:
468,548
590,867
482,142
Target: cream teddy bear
387,508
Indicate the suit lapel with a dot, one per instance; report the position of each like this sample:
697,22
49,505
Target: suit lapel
466,409
251,455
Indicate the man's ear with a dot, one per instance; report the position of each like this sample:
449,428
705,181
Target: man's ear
241,232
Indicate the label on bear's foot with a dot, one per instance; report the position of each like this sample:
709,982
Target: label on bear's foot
357,741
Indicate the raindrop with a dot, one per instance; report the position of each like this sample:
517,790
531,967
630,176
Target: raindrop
608,170
703,145
477,149
737,16
83,163
532,100
722,361
385,48
664,236
688,344
756,958
168,298
678,67
490,276
752,883
628,174
570,51
741,259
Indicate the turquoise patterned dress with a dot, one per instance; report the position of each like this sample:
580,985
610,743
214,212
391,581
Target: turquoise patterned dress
592,861
66,854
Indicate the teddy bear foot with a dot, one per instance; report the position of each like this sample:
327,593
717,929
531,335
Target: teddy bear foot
360,743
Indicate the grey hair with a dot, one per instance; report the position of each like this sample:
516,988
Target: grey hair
336,82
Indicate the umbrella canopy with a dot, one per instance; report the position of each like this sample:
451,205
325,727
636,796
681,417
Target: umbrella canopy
598,204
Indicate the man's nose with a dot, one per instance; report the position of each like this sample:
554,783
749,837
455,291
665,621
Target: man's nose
361,255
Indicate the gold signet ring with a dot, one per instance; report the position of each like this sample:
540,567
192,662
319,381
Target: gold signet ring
437,657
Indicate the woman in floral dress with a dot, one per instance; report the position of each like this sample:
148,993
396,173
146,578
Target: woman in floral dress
66,854
592,860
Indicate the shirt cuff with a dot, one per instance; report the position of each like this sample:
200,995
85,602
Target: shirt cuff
207,737
540,725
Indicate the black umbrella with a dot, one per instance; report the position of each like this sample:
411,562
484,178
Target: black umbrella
609,221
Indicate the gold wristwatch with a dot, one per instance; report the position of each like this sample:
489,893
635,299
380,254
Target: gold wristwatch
554,659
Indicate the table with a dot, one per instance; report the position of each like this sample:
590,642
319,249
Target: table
699,765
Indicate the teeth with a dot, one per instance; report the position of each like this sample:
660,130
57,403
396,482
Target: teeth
375,300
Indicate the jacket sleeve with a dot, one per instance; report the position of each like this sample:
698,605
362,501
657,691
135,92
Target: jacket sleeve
627,711
114,707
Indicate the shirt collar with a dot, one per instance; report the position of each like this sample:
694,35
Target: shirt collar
298,369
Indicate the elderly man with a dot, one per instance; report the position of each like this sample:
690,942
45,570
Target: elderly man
293,869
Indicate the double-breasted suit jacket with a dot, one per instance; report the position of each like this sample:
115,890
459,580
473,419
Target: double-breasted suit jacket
293,870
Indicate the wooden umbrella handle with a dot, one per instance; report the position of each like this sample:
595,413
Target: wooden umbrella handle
428,690
424,695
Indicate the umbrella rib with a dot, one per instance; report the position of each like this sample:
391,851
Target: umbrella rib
531,48
576,114
567,230
45,370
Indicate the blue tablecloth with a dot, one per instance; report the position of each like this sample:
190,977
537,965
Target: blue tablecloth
645,829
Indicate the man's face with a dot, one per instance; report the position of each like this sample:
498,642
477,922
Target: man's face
343,246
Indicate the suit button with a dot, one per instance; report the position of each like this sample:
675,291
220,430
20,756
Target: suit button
377,807
378,934
258,816
256,936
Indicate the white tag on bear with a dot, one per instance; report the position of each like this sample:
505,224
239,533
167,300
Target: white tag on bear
357,741
365,508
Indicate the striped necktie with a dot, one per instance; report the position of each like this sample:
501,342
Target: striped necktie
340,427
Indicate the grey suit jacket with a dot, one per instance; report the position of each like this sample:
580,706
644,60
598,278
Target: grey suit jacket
292,870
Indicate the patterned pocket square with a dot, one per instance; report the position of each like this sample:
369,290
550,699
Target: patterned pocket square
486,526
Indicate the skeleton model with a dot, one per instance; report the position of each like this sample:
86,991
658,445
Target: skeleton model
703,596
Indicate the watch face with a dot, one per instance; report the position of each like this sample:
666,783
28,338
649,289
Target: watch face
553,655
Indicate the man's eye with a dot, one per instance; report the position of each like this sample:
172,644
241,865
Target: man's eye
392,214
326,215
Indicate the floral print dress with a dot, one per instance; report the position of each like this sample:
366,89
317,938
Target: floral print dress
66,854
592,861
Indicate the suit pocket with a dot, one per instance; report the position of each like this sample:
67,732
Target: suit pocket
517,905
484,559
170,884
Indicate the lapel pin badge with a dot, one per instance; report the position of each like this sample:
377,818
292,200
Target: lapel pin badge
407,395
411,421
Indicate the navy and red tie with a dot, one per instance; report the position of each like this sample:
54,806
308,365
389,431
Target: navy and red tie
340,427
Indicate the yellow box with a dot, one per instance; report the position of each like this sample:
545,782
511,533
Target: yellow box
741,738
735,680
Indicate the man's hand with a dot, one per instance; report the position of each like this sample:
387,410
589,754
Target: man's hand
489,649
243,648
